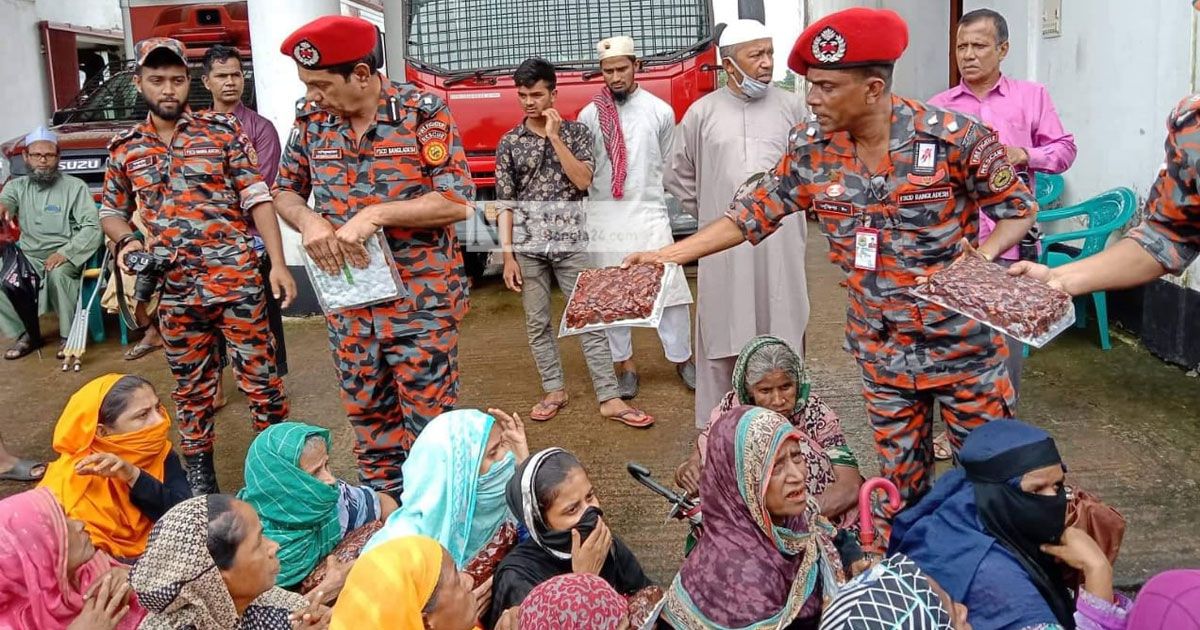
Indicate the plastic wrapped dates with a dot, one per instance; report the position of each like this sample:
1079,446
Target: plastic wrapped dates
1020,307
612,296
353,287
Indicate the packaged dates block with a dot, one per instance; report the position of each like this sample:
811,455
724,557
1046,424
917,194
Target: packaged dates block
613,296
1020,307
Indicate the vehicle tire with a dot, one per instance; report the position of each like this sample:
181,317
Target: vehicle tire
475,263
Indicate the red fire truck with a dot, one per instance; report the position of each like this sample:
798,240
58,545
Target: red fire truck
466,51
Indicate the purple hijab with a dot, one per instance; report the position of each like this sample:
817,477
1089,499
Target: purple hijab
1169,600
744,569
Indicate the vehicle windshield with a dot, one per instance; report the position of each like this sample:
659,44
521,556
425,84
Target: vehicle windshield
112,96
463,36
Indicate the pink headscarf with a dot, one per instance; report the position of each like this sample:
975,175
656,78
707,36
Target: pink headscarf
573,601
1170,600
35,591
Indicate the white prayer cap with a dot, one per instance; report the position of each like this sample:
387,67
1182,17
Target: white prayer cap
41,134
742,31
619,46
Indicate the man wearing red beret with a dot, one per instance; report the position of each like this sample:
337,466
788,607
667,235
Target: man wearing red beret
379,155
897,186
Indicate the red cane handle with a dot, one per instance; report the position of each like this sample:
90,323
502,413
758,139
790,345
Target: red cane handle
866,524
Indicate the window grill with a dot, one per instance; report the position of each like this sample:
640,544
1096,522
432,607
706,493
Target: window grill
456,36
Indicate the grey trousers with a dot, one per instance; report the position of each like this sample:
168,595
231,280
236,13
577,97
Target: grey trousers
536,272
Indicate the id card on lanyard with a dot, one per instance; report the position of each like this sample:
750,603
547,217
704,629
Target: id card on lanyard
866,248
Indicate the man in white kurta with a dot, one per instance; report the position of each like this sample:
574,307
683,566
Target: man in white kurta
727,136
629,214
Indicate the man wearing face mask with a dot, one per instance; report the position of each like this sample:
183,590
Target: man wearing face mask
722,140
627,209
60,230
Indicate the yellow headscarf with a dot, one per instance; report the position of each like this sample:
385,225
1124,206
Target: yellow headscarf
389,586
104,505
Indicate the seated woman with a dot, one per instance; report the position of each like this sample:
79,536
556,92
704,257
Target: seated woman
406,583
766,558
454,481
304,508
894,595
116,471
992,532
209,566
770,374
574,601
52,577
552,497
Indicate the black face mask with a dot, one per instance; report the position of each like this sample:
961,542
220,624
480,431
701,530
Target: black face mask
560,539
1043,518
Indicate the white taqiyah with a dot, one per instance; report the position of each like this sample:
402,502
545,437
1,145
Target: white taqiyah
619,46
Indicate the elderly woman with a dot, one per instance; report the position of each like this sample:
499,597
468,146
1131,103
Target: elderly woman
770,374
574,601
766,559
406,583
304,508
454,482
51,577
209,567
116,471
993,532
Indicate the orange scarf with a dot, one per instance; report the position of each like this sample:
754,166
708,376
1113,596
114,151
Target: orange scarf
104,505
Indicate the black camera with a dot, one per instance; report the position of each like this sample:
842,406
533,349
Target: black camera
149,270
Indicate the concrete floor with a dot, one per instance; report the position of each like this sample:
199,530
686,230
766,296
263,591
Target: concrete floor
1127,424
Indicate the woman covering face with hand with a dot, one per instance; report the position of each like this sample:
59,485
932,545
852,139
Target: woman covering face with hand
553,498
116,471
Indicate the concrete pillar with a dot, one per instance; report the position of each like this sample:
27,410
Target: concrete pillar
275,82
394,37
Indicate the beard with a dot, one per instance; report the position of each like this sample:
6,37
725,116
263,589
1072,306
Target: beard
620,96
165,114
44,177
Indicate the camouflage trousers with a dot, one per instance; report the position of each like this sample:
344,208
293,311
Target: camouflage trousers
191,334
903,421
391,389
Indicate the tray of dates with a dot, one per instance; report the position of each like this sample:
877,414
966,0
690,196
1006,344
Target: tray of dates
611,296
1023,308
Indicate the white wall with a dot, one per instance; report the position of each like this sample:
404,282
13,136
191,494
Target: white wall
924,70
22,73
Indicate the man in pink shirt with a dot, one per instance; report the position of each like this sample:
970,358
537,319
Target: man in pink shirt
1020,112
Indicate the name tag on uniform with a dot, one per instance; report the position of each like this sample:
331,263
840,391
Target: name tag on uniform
825,206
141,163
382,152
866,248
924,196
202,152
327,154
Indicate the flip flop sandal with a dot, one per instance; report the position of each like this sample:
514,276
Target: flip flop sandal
23,471
23,347
942,451
140,350
644,421
554,408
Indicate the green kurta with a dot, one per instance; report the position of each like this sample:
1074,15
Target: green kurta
59,218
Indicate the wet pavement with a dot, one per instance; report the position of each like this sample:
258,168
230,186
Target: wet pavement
1127,424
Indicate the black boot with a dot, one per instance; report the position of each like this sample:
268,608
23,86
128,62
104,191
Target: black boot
201,475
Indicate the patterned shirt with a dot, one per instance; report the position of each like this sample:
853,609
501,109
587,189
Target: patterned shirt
528,171
1171,229
941,170
195,196
411,149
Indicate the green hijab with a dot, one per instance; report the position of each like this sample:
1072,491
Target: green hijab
792,364
298,512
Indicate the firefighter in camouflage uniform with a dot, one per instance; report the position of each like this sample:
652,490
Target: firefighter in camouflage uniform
896,186
194,179
376,154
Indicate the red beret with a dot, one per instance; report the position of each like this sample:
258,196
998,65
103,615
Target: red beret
331,40
848,39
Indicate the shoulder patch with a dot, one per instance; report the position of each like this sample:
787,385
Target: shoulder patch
949,127
219,120
122,137
807,132
429,104
1185,112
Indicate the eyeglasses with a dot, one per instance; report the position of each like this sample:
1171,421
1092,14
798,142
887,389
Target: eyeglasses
42,156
